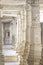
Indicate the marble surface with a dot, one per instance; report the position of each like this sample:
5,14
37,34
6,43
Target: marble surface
12,63
9,53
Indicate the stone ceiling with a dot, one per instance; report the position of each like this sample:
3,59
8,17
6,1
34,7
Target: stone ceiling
17,2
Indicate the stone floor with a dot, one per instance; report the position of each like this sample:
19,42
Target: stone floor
11,53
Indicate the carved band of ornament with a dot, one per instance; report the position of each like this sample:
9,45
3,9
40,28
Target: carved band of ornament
9,11
35,26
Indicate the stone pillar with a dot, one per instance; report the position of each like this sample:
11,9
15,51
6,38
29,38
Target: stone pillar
32,53
35,34
1,55
18,32
41,62
28,30
23,34
0,13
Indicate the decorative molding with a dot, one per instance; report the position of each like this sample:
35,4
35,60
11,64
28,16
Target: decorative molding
13,2
9,13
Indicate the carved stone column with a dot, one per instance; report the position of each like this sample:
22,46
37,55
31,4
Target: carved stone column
23,36
35,55
21,25
18,33
1,55
28,30
32,53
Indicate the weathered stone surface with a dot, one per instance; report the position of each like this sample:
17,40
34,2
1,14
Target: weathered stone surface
36,34
41,61
1,55
27,38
